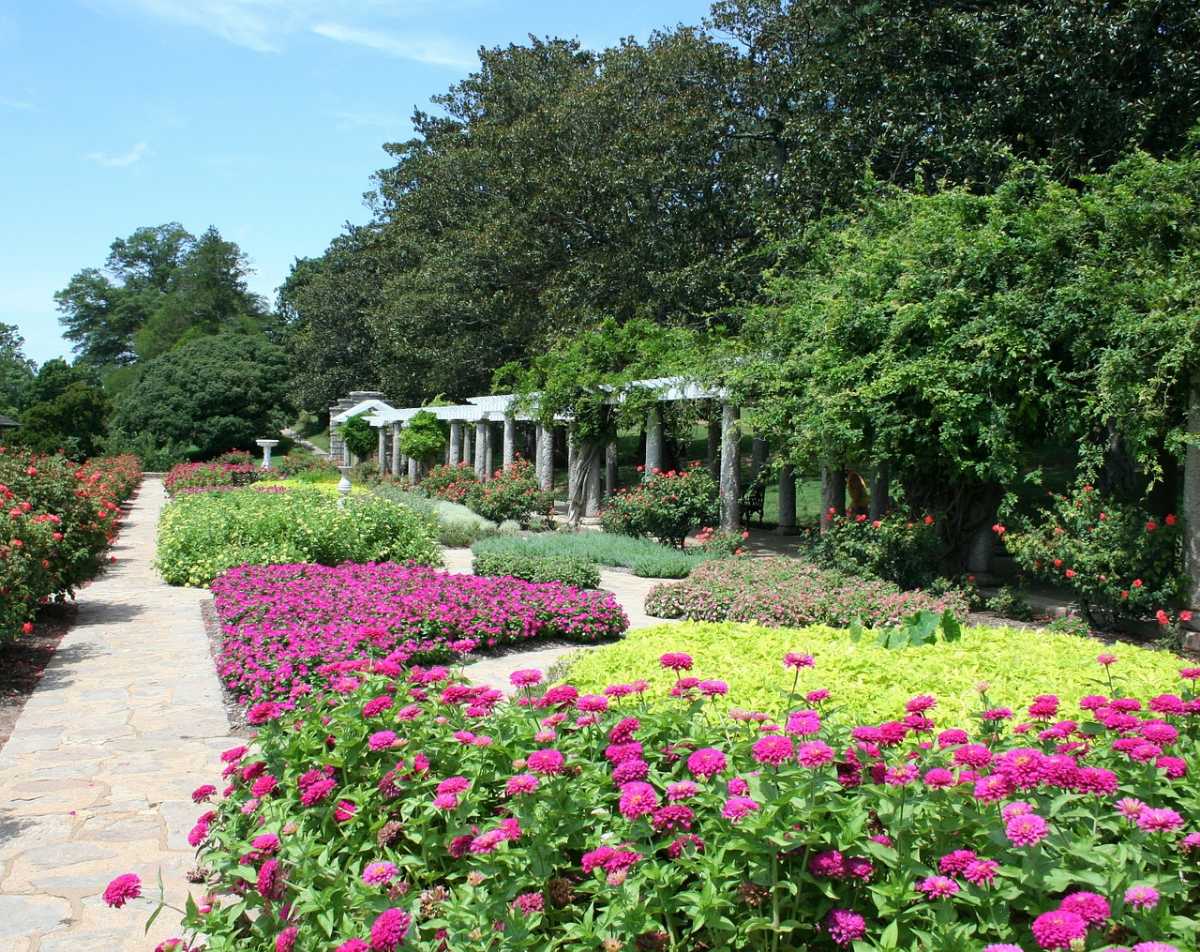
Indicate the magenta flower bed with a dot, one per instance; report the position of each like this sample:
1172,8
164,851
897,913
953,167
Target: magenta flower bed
289,628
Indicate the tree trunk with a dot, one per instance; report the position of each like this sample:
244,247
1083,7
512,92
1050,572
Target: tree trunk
758,456
583,471
833,493
787,499
713,457
881,490
1191,500
731,477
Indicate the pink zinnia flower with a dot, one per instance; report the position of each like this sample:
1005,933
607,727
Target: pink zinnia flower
529,902
344,811
1141,897
286,940
521,783
683,790
845,926
804,723
381,740
379,872
795,660
546,762
939,778
389,930
1058,929
773,750
938,887
637,799
200,794
814,754
955,862
1161,819
676,661
981,872
706,762
1026,829
525,677
592,703
1090,907
737,808
125,887
269,885
828,863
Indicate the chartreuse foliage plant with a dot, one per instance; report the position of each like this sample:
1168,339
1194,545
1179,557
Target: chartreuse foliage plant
868,681
413,811
200,536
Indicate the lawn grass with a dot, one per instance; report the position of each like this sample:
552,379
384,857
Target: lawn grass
643,557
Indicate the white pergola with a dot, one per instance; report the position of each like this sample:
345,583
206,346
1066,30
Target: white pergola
474,443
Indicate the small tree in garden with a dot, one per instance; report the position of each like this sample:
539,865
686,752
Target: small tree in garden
359,436
423,437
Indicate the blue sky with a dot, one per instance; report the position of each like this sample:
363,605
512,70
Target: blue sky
262,117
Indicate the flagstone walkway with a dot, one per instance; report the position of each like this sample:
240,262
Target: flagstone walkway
97,777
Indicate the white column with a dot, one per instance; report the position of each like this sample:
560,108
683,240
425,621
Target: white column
572,449
481,470
654,440
396,450
787,499
545,457
510,438
591,503
383,461
610,468
468,445
414,472
456,435
731,477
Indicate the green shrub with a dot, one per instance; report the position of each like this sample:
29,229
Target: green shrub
788,592
359,436
645,558
423,437
201,536
451,483
512,493
457,526
1116,558
1010,603
867,683
570,569
666,506
897,548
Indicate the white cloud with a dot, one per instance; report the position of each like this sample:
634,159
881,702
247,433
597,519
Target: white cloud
434,51
255,24
22,105
118,160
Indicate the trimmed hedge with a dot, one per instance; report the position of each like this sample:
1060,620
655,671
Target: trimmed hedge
570,569
867,683
786,592
642,556
200,536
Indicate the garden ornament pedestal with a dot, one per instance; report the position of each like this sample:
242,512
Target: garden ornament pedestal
267,446
343,486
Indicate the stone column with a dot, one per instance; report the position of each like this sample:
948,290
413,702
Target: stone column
510,439
731,477
456,434
396,450
654,440
713,452
833,493
383,460
758,456
481,470
980,549
489,464
610,468
545,457
1191,503
414,471
467,445
592,496
787,500
571,467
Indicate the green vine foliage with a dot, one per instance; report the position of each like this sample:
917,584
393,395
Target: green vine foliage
360,436
423,436
579,376
954,334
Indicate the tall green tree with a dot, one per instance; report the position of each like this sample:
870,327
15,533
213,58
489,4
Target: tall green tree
16,370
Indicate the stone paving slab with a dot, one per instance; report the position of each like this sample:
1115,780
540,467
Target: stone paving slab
97,777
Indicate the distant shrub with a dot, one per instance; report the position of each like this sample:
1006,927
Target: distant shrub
643,557
570,569
786,592
897,548
512,493
200,536
455,524
217,474
665,506
451,483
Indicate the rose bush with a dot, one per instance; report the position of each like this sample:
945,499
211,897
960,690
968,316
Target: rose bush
214,475
512,493
451,483
288,628
418,813
786,592
664,505
896,548
59,520
1116,558
202,535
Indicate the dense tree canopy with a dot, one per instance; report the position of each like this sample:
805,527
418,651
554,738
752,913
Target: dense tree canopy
16,370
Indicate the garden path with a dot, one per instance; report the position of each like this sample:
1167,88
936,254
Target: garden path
630,592
97,777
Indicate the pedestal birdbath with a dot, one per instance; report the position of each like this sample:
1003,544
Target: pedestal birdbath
343,486
267,445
